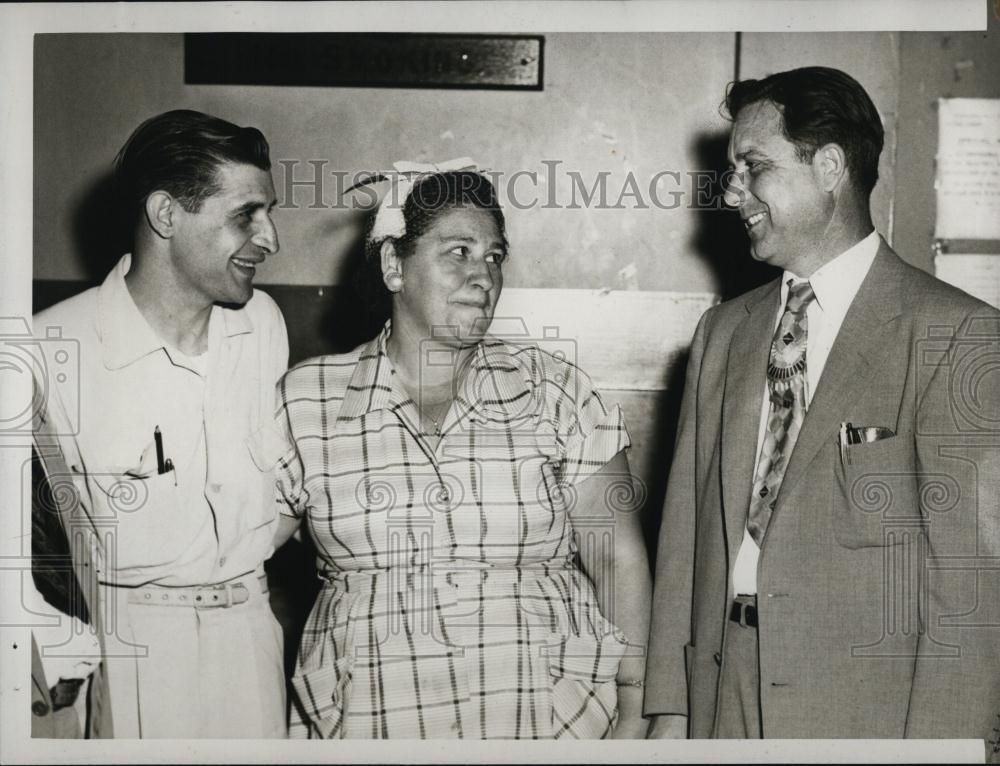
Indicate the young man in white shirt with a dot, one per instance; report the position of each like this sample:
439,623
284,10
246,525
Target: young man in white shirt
160,435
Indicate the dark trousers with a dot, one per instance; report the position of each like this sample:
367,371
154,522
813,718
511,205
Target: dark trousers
738,715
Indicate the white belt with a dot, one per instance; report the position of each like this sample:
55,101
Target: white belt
221,596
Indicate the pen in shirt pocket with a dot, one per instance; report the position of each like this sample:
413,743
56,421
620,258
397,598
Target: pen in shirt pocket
163,464
152,456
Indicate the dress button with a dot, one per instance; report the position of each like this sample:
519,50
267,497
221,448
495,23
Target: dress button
39,708
222,561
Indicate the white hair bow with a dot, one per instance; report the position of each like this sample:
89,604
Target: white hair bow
389,221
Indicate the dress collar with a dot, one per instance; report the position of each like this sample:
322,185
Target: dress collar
498,384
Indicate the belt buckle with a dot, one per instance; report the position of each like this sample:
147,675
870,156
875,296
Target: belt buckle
214,589
743,614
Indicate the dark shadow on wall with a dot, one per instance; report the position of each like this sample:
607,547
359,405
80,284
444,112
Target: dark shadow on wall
101,229
721,241
294,585
336,318
719,235
661,447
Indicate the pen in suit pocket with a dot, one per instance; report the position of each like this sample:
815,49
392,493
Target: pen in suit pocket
851,434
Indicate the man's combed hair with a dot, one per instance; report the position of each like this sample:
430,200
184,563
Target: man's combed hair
820,106
180,152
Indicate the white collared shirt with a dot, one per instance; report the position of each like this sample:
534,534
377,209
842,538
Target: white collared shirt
210,519
835,284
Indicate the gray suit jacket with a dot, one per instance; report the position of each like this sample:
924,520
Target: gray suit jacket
879,575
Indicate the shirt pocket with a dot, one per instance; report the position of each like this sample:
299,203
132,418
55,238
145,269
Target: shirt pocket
146,517
879,493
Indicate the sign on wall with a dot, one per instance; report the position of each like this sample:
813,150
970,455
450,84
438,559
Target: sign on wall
480,62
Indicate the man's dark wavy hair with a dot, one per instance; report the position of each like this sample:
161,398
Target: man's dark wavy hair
819,106
180,152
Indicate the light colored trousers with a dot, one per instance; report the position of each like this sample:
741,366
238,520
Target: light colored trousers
214,673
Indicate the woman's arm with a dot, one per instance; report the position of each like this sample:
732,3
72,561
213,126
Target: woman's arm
287,526
620,573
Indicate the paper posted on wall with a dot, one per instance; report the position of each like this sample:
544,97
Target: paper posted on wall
968,169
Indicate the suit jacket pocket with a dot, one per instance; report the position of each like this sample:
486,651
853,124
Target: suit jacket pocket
878,502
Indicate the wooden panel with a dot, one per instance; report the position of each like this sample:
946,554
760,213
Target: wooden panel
625,340
504,62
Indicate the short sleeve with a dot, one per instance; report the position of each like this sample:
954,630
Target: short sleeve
594,434
274,334
289,473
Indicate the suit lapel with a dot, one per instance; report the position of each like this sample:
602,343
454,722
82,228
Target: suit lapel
746,372
853,364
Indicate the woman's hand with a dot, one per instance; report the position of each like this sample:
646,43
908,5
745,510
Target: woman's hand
622,581
668,727
631,724
287,526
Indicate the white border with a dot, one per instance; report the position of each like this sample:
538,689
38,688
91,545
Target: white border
18,24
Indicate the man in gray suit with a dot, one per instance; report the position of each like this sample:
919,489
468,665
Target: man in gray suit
829,556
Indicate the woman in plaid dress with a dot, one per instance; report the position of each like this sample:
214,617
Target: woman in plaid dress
470,503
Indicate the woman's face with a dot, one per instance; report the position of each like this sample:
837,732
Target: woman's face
452,278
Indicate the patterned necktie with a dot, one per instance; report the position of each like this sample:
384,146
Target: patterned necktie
786,383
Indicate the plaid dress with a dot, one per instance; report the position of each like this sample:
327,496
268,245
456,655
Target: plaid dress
452,605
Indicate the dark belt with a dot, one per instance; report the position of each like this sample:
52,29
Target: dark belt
744,613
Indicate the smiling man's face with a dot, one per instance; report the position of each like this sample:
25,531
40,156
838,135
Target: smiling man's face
215,250
778,195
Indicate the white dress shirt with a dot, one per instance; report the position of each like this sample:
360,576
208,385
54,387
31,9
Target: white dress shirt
197,673
835,285
210,519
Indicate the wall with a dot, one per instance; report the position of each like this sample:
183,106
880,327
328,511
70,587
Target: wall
614,103
933,66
